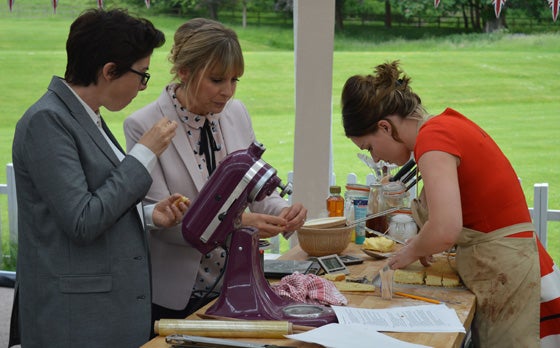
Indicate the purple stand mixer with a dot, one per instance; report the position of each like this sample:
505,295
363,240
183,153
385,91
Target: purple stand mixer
214,219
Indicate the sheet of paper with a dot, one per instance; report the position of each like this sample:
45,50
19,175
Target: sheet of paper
351,335
426,318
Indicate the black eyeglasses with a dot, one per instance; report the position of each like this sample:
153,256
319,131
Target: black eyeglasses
145,76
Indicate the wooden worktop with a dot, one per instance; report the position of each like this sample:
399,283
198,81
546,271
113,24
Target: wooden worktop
460,299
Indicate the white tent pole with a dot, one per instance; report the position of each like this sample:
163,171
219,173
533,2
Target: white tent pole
313,45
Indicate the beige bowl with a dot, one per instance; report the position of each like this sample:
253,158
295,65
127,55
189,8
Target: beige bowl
324,241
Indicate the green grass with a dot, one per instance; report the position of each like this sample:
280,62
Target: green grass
507,83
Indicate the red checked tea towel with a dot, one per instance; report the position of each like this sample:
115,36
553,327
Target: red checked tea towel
309,288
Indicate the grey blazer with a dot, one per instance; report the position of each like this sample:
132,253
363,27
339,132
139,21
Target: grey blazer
83,275
174,262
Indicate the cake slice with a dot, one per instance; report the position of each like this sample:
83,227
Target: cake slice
411,274
433,277
441,272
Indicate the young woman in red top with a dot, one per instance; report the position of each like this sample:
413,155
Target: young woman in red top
471,199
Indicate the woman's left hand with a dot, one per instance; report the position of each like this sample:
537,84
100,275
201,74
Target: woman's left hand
290,219
295,215
406,256
267,225
170,211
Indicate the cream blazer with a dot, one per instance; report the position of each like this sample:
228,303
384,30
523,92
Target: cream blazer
174,262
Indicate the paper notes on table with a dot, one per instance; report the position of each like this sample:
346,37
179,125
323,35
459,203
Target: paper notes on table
425,318
351,335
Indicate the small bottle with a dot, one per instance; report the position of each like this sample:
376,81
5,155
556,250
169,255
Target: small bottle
335,202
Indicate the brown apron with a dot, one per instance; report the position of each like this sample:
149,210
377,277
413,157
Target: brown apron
504,274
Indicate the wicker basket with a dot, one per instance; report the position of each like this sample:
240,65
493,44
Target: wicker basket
324,241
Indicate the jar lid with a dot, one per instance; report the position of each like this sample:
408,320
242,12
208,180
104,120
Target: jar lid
393,188
357,187
334,189
402,218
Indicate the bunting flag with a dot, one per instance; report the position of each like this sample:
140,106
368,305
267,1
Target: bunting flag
147,3
436,3
10,3
498,4
555,7
100,3
54,4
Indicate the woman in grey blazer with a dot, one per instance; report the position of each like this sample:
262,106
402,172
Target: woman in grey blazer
207,61
83,276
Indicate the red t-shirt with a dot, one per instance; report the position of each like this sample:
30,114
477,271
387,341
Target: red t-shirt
491,194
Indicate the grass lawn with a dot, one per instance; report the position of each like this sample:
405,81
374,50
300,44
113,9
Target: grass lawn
507,83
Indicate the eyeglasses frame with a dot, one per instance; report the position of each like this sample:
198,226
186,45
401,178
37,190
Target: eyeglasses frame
145,76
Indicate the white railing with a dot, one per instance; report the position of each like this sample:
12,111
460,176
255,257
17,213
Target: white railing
540,213
9,189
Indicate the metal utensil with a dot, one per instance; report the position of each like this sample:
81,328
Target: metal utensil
185,341
413,182
372,165
371,216
403,170
405,179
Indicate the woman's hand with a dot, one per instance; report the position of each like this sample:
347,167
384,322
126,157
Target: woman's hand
170,211
267,225
406,255
295,215
159,136
290,219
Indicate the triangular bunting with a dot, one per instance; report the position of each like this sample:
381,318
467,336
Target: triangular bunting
147,3
498,4
436,3
11,4
54,4
555,7
100,3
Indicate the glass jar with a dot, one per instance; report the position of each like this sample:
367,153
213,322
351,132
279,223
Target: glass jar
378,224
394,196
402,227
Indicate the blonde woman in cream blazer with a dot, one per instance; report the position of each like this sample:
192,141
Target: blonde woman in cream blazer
174,262
207,63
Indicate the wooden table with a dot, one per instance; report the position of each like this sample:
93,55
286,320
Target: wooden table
460,299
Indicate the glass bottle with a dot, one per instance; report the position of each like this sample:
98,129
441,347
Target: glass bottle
335,202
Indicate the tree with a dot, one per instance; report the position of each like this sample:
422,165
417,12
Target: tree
388,16
339,14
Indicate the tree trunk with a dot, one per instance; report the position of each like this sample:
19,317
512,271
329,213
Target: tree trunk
388,16
213,10
465,17
475,15
339,14
495,24
244,20
491,23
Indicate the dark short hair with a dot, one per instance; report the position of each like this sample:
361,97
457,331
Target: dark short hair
98,37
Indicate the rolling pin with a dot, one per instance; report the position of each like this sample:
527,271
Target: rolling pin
223,328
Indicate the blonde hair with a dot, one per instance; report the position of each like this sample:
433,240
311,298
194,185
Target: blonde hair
367,99
201,44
